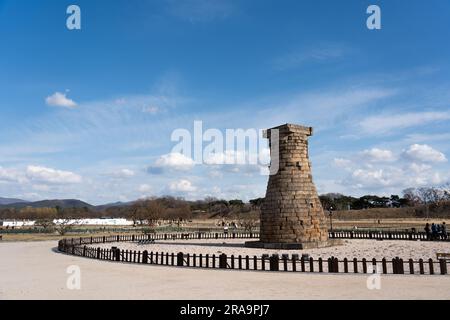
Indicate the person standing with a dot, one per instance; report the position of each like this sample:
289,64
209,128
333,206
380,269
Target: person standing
428,231
444,231
434,231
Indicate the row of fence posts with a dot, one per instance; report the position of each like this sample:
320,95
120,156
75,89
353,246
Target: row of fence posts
250,235
243,263
388,235
164,236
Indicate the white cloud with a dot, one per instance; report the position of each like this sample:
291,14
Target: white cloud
145,188
41,187
372,178
150,109
215,174
378,155
299,58
226,157
376,171
182,185
238,157
342,163
387,178
48,175
59,99
11,175
175,161
334,103
424,153
418,168
123,173
389,122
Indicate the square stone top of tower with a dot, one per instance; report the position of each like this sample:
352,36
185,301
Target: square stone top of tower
290,128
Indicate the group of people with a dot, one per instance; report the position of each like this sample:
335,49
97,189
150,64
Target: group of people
436,231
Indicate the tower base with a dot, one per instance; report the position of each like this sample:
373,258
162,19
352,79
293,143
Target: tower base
293,245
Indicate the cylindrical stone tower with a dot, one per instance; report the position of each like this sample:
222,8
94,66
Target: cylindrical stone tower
291,215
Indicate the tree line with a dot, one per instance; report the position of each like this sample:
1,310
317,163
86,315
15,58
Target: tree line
177,208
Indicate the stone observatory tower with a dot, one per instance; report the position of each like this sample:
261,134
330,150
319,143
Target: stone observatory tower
291,215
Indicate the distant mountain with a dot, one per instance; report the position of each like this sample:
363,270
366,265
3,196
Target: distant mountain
65,203
114,204
10,201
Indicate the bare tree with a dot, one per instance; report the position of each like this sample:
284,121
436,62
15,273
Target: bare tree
64,226
427,196
148,212
248,223
46,223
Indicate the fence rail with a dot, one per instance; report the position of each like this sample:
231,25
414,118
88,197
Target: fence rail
85,247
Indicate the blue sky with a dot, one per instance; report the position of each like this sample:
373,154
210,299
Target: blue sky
89,113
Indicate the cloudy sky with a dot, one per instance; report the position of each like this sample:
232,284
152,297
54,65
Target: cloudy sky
89,113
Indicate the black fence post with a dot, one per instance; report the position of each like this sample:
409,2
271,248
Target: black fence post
294,259
336,265
145,256
374,266
223,261
330,266
411,266
443,265
394,266
179,259
274,262
431,266
285,262
364,263
263,262
421,269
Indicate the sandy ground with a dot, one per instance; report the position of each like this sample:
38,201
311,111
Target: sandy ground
31,270
350,249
